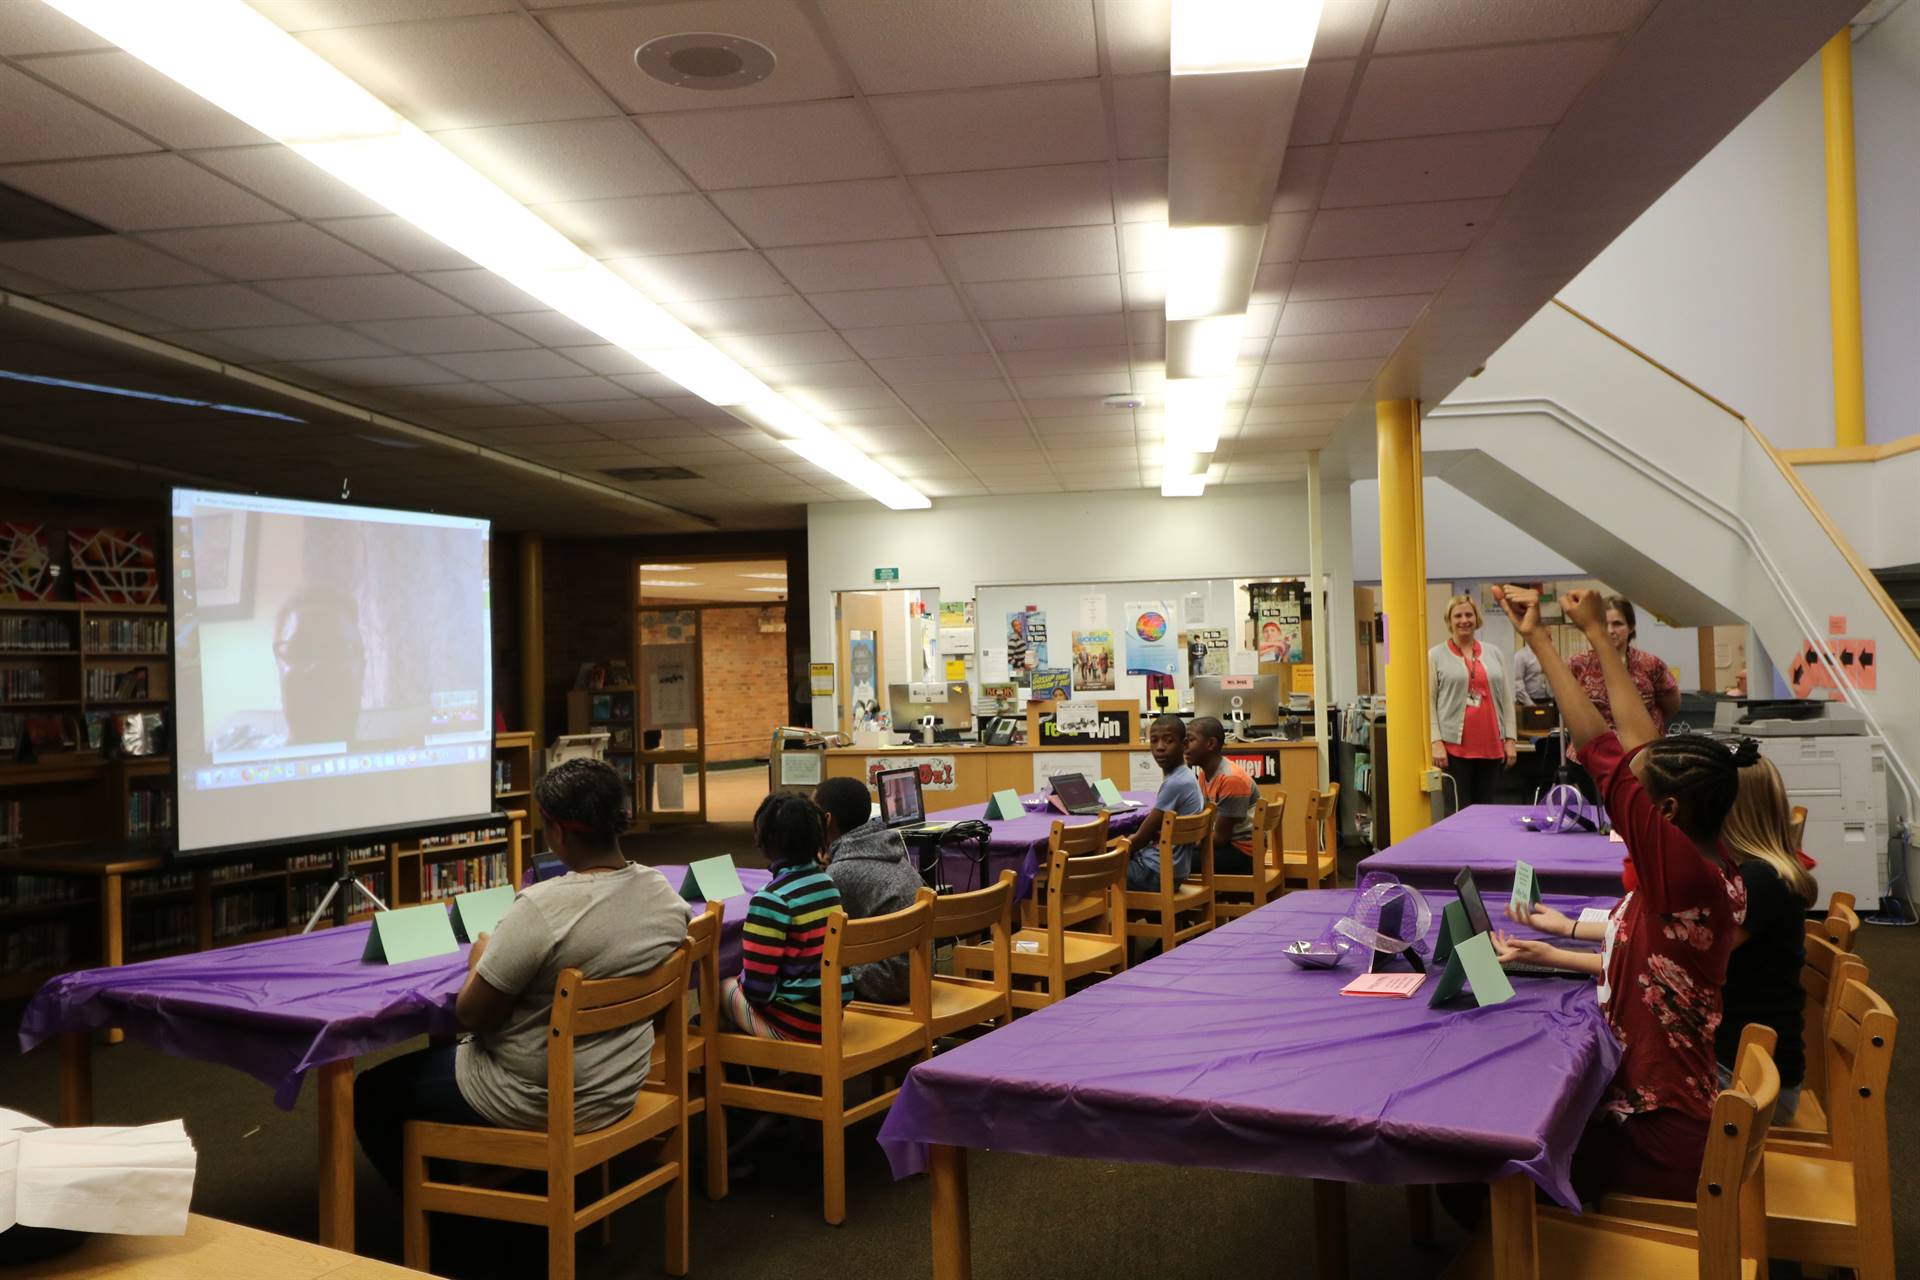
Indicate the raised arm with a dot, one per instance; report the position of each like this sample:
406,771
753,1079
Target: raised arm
1588,611
1582,718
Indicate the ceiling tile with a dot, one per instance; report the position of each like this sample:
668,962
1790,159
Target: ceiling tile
1346,314
915,369
862,308
208,306
966,391
599,412
1309,392
155,103
1311,371
821,213
302,342
1140,115
874,264
640,226
1025,255
1112,359
396,242
549,328
436,335
482,290
900,48
497,367
99,262
365,298
988,411
1145,290
1142,190
1371,277
1455,166
288,179
554,390
1261,415
1323,94
1439,227
1139,38
604,40
601,358
772,146
570,160
444,394
1025,299
95,305
370,371
1442,24
787,314
34,28
1091,386
995,128
312,15
1334,346
1302,175
45,124
758,350
269,251
1343,28
1470,90
1074,331
462,73
1013,199
142,193
1286,233
1270,282
839,373
953,338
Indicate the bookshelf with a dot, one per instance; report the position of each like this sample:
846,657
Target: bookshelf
611,710
514,774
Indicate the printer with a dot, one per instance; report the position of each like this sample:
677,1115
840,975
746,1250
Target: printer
1837,768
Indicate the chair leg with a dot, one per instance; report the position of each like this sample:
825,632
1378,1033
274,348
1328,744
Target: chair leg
714,1122
606,1189
413,1219
833,1149
678,1259
560,1242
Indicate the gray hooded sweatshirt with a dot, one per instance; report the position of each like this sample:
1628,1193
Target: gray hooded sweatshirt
875,878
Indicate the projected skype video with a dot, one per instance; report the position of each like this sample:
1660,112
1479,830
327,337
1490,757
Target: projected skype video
332,669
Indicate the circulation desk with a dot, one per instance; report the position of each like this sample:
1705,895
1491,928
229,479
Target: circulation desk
966,775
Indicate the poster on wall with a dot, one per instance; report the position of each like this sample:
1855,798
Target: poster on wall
1143,772
1206,649
27,571
956,613
1026,645
1049,764
936,772
1093,611
1052,684
1277,619
1000,699
113,566
820,679
862,676
1092,661
1150,640
669,687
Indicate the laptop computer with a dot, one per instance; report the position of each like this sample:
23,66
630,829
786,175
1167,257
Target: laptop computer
1073,794
903,807
1476,910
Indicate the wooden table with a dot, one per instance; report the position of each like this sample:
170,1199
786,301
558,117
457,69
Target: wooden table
211,1250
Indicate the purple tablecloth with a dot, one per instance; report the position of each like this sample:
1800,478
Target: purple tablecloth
1488,838
278,1009
1019,844
1223,1054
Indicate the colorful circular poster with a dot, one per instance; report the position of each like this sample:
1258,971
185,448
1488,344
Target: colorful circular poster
1151,626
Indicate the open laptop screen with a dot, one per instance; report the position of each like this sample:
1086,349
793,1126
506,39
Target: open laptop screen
1074,790
1470,899
901,804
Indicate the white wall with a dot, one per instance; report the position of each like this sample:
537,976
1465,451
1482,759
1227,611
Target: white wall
1724,279
1872,503
1886,113
960,544
1465,541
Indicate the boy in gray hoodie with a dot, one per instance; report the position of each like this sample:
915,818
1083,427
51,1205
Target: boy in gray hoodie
869,865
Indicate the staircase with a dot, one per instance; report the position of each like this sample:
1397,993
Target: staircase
1902,584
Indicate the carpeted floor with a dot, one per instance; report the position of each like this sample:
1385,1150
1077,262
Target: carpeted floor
1062,1219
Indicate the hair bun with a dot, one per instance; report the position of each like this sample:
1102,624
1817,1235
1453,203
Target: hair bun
1746,752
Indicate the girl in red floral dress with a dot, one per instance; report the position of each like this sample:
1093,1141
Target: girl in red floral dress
1668,940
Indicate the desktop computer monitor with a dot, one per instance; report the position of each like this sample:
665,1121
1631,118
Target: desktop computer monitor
1220,696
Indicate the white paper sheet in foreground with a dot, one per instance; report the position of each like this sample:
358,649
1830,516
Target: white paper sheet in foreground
121,1180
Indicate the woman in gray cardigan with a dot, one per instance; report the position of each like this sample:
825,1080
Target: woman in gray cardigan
1472,706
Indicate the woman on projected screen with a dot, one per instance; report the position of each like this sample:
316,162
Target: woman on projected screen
322,659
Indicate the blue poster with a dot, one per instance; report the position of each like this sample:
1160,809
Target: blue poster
1151,646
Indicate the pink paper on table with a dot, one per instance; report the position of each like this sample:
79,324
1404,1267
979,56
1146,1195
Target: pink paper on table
1395,986
1614,837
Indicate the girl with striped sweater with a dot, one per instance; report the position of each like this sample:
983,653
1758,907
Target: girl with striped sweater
777,994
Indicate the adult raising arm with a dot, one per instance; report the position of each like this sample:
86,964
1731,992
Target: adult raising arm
1582,718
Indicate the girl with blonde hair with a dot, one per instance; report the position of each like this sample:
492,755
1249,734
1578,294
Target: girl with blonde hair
1763,973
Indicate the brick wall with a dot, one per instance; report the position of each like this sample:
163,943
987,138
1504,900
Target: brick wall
743,683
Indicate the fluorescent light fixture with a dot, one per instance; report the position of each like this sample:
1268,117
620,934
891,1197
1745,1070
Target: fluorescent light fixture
1183,486
840,459
236,58
1195,408
101,388
1212,37
1208,348
767,577
1209,270
772,590
662,582
665,568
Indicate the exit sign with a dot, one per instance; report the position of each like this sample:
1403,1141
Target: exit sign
886,575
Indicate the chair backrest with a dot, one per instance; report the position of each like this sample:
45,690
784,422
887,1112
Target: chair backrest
962,915
1827,967
1323,808
1195,829
1859,1053
1080,839
849,943
1731,1201
1842,921
591,1007
1267,817
1797,824
1087,888
703,957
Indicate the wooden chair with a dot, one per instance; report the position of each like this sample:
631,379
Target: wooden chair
855,1039
1157,913
1318,865
1826,971
1797,824
961,1002
580,1008
1841,924
1721,1236
1235,896
703,954
1079,841
1830,1200
1085,891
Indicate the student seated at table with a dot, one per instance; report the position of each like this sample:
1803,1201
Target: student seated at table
1179,794
1763,974
1232,791
607,917
869,865
777,994
1666,942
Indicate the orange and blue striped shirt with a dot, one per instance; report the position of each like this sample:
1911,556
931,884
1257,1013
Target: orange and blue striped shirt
781,944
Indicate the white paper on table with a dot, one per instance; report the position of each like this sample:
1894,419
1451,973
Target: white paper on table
12,1125
133,1180
1593,915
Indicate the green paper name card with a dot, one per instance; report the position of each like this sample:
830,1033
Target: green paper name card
1006,804
1526,888
408,934
480,912
1109,794
712,880
1453,925
1484,974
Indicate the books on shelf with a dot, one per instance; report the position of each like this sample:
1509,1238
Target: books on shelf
159,882
123,635
24,684
323,861
502,777
21,890
41,944
459,875
457,838
247,911
34,635
159,927
232,871
149,811
306,897
107,685
11,830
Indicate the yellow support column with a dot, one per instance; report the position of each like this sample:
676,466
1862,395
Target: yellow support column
1843,242
1403,591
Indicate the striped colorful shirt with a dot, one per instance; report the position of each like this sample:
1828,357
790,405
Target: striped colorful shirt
781,943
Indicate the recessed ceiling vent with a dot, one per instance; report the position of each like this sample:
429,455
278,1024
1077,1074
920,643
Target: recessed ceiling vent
705,60
642,475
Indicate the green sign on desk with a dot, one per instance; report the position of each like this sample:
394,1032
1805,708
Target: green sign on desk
887,575
479,912
712,880
409,933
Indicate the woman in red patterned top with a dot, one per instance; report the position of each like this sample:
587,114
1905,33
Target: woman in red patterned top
1653,679
1668,940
